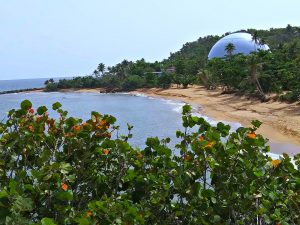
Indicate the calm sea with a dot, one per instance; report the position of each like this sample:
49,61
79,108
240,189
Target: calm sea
7,85
149,116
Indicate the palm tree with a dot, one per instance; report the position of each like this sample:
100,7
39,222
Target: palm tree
204,77
122,69
255,62
262,42
230,49
101,68
255,37
96,73
50,81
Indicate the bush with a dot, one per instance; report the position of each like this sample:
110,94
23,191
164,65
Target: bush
69,171
165,80
51,87
291,96
133,82
110,82
151,80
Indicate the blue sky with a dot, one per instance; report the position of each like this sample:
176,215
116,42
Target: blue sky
61,38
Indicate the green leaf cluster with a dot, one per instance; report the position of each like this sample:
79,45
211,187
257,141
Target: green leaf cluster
64,170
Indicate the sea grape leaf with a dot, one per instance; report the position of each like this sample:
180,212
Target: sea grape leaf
26,104
56,105
41,110
256,123
65,196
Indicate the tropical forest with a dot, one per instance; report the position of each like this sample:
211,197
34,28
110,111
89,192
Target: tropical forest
259,74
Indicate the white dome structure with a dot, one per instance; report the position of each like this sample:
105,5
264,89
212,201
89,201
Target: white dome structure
243,43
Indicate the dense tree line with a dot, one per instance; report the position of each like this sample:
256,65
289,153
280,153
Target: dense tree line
124,76
259,73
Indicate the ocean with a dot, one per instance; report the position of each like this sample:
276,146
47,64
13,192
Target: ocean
150,116
7,85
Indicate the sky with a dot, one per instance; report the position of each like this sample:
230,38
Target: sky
61,38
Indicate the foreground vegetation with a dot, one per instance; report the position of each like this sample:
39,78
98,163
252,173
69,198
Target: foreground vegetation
259,74
64,170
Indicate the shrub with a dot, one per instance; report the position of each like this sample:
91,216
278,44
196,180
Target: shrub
68,171
291,96
133,82
165,80
51,87
151,80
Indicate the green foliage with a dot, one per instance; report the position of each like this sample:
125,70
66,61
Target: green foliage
259,73
275,71
165,80
51,87
69,171
291,96
133,82
25,105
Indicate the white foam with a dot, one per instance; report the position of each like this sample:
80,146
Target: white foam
177,107
115,93
140,95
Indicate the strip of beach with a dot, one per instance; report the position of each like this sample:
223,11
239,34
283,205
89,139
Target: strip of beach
281,121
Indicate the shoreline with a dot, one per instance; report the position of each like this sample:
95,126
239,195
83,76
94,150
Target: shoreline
27,90
281,121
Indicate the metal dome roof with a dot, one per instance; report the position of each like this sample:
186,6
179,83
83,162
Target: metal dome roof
242,42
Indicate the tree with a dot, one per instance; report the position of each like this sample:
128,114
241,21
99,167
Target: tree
229,48
50,81
177,79
206,79
255,37
133,82
165,80
255,61
96,73
101,68
289,28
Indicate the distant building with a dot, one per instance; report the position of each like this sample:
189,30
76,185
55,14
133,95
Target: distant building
158,73
171,69
243,43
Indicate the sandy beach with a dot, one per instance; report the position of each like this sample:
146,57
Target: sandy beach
281,121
